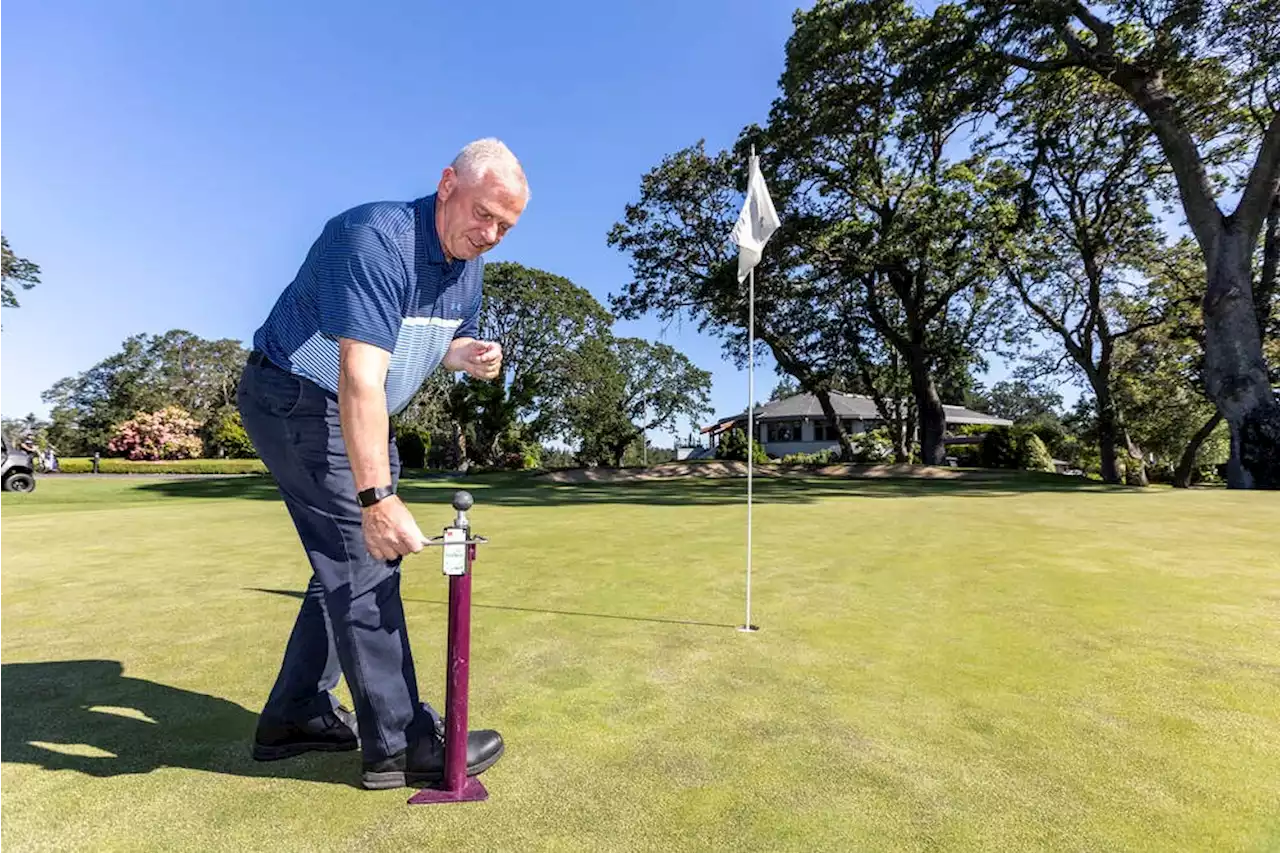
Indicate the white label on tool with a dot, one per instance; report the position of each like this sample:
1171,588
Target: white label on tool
455,555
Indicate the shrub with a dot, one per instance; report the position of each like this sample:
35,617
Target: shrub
519,454
532,457
169,433
967,455
1014,448
821,457
441,456
227,437
999,448
734,446
872,447
413,446
1051,432
1033,455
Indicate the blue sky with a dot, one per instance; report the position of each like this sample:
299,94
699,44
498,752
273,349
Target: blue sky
168,164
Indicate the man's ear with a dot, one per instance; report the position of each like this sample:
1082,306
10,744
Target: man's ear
448,182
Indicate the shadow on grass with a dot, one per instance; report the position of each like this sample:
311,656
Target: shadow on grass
523,490
658,620
53,707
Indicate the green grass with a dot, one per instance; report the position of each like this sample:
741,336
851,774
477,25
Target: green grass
1013,665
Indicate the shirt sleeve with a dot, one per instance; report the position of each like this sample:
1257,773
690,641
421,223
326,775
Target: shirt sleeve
470,326
361,283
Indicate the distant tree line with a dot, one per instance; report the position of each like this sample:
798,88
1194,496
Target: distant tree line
566,380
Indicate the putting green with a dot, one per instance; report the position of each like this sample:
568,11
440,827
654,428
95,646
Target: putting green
1023,665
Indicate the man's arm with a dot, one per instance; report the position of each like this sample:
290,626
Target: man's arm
389,528
362,408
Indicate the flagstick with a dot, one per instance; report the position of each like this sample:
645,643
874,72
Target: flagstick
747,627
751,436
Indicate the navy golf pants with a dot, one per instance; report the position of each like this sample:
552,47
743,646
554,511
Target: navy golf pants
352,619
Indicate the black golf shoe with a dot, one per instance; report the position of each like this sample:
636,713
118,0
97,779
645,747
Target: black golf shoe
334,731
423,763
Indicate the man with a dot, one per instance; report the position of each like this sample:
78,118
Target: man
387,293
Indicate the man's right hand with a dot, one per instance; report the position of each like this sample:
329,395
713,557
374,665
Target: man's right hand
390,531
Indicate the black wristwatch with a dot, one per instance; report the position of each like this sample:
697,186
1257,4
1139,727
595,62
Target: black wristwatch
369,497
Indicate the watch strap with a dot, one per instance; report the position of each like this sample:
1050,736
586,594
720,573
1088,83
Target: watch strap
369,497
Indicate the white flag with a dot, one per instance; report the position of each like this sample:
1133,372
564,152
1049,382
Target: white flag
756,224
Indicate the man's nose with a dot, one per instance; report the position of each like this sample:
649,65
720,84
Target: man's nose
491,232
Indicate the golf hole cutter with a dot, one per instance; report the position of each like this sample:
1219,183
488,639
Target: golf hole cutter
459,548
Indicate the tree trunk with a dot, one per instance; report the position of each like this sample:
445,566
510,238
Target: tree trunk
460,460
1108,432
846,440
901,433
899,423
1235,369
1135,467
1187,464
933,418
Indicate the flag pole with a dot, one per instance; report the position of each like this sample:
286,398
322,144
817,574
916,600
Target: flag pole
747,627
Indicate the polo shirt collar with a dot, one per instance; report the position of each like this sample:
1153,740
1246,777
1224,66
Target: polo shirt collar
433,251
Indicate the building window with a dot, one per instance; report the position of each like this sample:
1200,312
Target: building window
822,430
782,431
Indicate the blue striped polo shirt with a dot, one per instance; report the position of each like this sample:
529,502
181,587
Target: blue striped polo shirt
378,274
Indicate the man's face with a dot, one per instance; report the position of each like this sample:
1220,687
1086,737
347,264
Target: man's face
472,218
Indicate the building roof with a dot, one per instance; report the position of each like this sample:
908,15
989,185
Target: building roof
854,406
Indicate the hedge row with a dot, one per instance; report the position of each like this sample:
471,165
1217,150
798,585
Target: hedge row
84,465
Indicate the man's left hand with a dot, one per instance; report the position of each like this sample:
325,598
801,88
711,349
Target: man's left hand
479,359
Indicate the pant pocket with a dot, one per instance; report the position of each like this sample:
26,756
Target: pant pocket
272,391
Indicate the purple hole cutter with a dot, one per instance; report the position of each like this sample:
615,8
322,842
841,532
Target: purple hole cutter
459,548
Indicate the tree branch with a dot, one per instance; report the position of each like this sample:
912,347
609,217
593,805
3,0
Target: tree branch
1045,65
1150,95
1075,351
878,319
1078,48
1138,327
1104,31
1263,185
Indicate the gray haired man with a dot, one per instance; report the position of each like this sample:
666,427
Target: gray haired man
388,293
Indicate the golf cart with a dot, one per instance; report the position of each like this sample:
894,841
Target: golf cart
17,471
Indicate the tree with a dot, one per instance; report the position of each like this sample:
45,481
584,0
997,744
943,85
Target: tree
619,389
683,267
1205,77
878,231
786,387
86,408
1019,400
539,318
15,271
1081,271
149,373
911,230
199,375
15,428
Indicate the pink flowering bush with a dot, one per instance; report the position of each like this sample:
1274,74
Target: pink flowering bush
167,434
